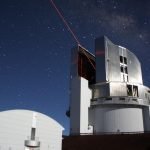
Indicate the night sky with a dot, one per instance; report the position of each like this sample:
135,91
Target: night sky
35,47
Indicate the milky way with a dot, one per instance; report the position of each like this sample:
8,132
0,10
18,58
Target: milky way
35,47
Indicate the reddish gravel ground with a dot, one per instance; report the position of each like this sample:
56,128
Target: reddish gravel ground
107,142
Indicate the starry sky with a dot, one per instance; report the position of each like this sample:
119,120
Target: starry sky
35,47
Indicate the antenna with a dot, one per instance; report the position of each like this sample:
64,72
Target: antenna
70,30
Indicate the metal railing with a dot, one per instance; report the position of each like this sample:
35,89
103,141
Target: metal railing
113,133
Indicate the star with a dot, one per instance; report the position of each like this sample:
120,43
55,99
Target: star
140,36
84,37
36,47
114,7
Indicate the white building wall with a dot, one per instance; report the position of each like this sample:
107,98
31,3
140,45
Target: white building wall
15,128
85,104
79,104
115,119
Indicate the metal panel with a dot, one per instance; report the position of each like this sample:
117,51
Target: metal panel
100,59
143,92
118,89
122,51
112,62
100,91
134,68
109,89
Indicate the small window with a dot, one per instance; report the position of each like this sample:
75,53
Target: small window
126,78
125,60
135,91
121,59
126,70
129,90
121,68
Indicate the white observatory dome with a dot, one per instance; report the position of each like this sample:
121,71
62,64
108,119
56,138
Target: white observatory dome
16,128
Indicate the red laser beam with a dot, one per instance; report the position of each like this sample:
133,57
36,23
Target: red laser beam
65,22
70,30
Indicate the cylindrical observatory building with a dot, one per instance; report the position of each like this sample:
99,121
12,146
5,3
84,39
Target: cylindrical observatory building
107,94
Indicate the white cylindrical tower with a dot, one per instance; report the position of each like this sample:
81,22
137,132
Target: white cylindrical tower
116,119
118,97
